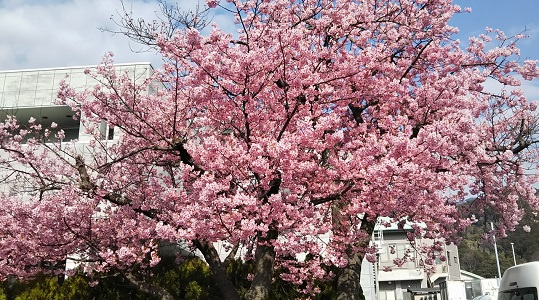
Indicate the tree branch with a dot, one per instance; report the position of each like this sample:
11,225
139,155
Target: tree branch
332,197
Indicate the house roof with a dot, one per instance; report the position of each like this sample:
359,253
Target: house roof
39,87
470,275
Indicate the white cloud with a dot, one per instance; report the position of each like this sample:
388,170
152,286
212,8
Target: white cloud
54,33
38,34
530,88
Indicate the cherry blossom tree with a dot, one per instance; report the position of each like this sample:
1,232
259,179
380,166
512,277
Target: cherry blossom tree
313,120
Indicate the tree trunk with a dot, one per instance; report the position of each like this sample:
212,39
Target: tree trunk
219,274
348,281
263,272
152,289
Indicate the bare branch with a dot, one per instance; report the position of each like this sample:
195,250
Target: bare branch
169,19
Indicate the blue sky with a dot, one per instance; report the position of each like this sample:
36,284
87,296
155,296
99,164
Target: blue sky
510,16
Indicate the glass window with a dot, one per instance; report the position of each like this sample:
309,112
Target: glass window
519,294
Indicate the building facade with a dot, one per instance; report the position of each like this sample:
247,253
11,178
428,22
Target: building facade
32,93
394,282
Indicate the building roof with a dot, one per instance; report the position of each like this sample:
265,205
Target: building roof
39,87
470,275
70,68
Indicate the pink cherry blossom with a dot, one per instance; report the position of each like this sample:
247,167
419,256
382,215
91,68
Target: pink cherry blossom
314,120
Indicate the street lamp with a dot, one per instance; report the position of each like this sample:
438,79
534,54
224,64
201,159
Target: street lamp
513,249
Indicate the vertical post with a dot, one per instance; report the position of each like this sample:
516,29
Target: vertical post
448,264
514,258
378,239
376,281
496,251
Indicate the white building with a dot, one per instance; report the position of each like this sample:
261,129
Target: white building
32,93
394,285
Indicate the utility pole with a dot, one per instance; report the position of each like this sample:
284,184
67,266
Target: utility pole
496,251
514,258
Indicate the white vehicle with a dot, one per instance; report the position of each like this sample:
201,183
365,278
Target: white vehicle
520,282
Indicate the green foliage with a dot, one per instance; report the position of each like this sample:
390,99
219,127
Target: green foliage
239,271
478,256
524,243
189,280
47,288
192,279
194,291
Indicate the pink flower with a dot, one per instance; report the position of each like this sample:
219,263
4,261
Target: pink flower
212,3
289,134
